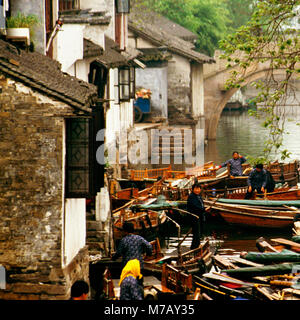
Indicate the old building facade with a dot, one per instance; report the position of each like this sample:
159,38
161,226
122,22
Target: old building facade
183,68
42,229
60,175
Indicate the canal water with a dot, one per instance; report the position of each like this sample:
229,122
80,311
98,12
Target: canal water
238,131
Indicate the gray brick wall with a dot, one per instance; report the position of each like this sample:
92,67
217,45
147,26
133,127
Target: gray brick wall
31,197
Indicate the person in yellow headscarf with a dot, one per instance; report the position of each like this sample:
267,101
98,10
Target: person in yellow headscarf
130,289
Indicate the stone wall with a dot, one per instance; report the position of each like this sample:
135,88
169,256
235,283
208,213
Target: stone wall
179,84
31,194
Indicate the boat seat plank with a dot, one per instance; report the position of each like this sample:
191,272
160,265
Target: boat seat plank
246,262
286,242
162,288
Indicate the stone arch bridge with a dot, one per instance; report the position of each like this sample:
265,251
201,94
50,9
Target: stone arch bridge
215,95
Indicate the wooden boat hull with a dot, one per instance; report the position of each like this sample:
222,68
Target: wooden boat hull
285,172
224,182
252,220
266,203
252,217
146,223
278,194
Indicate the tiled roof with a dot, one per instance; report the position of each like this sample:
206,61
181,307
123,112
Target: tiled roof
85,17
43,74
113,57
165,24
143,26
91,49
155,54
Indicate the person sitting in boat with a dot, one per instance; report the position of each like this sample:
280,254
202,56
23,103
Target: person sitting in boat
256,181
195,205
236,168
132,246
130,287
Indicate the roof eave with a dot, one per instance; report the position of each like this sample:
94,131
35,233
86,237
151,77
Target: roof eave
170,48
14,74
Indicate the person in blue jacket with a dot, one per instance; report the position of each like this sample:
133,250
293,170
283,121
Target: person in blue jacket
257,180
236,168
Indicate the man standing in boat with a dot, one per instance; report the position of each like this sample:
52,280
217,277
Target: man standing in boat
257,180
236,168
195,206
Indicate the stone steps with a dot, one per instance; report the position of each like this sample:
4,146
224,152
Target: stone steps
94,234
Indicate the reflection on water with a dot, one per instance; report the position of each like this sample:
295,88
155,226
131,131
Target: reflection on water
238,131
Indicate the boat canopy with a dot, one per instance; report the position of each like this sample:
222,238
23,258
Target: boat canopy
271,203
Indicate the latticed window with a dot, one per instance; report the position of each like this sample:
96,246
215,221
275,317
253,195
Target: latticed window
78,164
65,5
126,83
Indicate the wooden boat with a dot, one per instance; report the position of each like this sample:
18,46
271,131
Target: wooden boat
223,182
176,280
146,222
250,216
273,257
138,175
198,260
139,184
285,172
240,193
206,171
261,202
281,173
273,269
296,229
126,194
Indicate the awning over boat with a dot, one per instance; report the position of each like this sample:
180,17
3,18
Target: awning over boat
271,203
296,239
270,257
276,269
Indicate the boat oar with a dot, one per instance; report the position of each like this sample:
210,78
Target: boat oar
217,197
180,242
214,290
186,212
176,224
237,281
291,208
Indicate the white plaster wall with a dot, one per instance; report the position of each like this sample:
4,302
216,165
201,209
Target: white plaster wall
110,8
95,34
126,115
179,70
75,228
179,83
119,117
69,45
155,79
131,39
95,5
141,43
82,69
197,84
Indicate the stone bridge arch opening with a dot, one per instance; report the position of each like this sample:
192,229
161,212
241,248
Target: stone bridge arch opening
216,97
